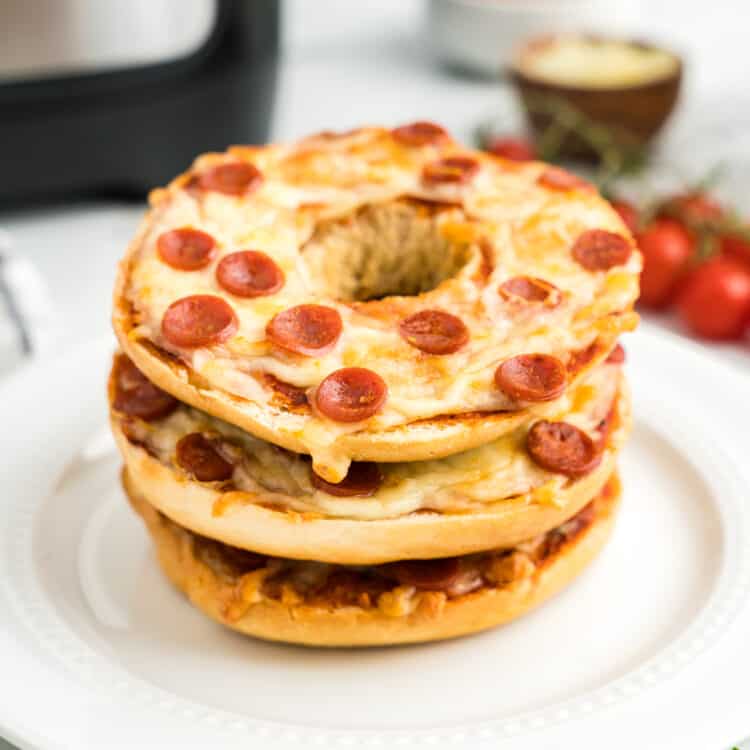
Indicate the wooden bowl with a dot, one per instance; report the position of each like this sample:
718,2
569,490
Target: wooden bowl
629,106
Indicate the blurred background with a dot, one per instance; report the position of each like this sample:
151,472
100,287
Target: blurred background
101,101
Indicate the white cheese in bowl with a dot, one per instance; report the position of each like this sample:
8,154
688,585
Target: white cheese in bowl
591,62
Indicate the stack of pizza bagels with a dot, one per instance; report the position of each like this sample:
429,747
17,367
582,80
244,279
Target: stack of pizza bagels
369,388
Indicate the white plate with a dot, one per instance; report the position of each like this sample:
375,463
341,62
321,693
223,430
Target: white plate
647,649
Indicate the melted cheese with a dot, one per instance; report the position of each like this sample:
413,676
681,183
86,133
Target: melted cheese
458,483
594,63
528,229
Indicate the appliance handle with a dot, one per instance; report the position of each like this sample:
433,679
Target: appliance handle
244,24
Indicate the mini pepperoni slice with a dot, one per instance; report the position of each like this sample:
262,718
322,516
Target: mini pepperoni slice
289,395
231,178
555,178
199,320
420,133
197,456
530,289
186,249
531,377
583,357
434,332
556,539
137,396
351,394
432,575
362,480
312,330
604,428
249,273
562,448
127,376
600,250
617,355
147,402
451,169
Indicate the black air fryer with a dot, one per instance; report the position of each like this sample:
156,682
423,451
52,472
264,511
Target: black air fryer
113,103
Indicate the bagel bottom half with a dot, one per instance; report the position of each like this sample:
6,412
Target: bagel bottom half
248,593
238,519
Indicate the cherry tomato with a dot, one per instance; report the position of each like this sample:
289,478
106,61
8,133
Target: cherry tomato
734,246
628,213
694,208
715,301
667,249
515,149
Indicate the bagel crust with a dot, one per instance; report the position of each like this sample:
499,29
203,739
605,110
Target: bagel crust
335,530
314,605
377,229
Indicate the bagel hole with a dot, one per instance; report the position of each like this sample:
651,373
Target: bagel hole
383,250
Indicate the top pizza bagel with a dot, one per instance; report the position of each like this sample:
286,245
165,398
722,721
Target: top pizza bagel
380,295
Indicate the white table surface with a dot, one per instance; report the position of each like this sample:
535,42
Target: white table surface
347,64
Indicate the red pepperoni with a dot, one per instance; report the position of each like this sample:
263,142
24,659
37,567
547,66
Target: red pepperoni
555,178
530,289
432,575
197,456
555,540
327,135
186,249
562,448
231,178
453,169
312,330
616,356
290,395
600,250
249,273
604,428
531,377
199,320
362,480
585,517
136,396
351,394
434,332
580,359
420,134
